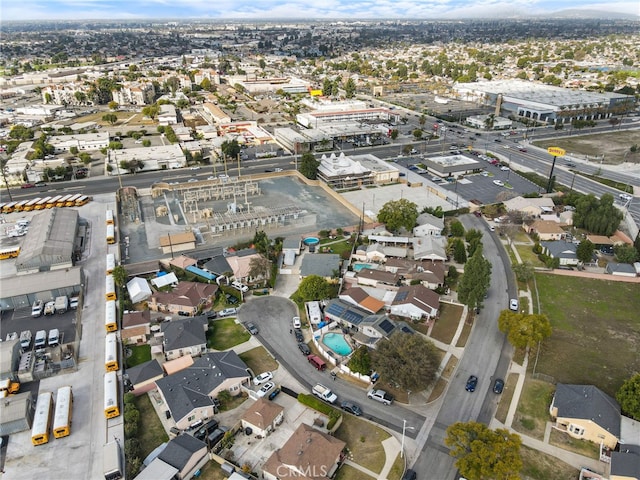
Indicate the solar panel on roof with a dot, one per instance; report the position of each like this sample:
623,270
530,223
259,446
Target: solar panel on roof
352,317
386,326
401,296
335,309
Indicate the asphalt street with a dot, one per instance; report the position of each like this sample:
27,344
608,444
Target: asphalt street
486,355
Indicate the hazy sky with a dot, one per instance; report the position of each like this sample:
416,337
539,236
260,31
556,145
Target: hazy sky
296,9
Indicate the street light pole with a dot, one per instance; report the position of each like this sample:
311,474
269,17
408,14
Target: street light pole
404,427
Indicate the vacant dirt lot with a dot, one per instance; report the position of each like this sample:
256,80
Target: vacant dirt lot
614,145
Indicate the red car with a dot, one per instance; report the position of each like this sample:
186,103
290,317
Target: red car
27,185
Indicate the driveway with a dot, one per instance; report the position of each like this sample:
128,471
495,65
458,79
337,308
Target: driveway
273,315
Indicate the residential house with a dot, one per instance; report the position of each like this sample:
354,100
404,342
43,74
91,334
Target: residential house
374,252
325,265
182,133
530,207
415,301
378,278
263,417
308,454
183,262
143,377
189,394
240,264
431,274
184,337
601,243
134,335
186,453
565,252
625,463
131,319
429,248
187,298
587,413
621,269
428,224
545,229
357,296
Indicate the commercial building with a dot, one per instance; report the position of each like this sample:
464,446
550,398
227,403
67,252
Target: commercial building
81,141
343,172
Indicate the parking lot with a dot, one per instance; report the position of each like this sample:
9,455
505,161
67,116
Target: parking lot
20,320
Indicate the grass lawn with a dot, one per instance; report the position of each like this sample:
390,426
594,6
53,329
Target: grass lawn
464,335
150,431
506,396
527,255
364,441
397,469
139,354
338,247
596,330
583,447
259,360
226,333
536,464
447,323
438,389
233,402
347,472
533,408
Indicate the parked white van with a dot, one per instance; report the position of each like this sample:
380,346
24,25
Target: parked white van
41,339
54,337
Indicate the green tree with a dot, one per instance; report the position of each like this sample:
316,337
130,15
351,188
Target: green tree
629,397
230,148
151,111
524,330
120,276
394,134
314,287
456,229
524,271
600,217
584,252
73,150
112,118
85,158
309,166
475,280
625,253
459,252
397,214
20,132
350,88
360,361
473,245
146,143
472,234
259,267
417,133
484,454
113,105
410,360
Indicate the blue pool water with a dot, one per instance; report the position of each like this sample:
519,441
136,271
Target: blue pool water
359,266
337,343
311,241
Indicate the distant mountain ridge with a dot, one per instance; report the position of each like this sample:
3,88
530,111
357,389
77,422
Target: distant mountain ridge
579,13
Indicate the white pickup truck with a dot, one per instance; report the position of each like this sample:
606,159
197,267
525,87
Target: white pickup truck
324,393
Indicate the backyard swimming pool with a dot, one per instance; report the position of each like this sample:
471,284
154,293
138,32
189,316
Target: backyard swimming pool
337,343
359,266
311,241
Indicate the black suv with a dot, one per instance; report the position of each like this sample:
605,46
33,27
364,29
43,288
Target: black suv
304,348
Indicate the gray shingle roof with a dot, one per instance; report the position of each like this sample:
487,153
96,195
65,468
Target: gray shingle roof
322,265
626,462
588,402
184,333
190,388
180,450
144,371
561,249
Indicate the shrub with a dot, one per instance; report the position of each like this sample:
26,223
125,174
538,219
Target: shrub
537,248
